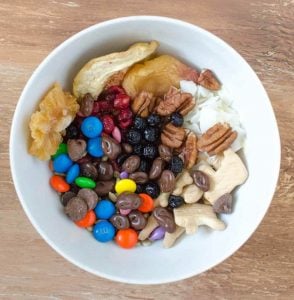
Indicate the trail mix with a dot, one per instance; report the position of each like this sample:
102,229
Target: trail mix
127,161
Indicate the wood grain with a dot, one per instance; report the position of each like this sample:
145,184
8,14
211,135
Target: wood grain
263,32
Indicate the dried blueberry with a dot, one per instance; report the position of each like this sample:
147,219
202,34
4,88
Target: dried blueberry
152,189
175,201
138,149
177,119
140,188
145,165
140,123
150,151
151,134
176,165
134,136
154,120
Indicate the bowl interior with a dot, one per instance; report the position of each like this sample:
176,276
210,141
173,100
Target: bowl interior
193,254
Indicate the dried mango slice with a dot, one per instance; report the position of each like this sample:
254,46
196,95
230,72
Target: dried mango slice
157,76
57,111
93,76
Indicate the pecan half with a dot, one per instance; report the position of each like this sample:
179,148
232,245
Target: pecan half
142,103
173,101
189,150
216,139
172,136
208,80
187,106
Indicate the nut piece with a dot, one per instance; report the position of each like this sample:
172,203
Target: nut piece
183,180
192,193
170,238
189,151
231,173
143,104
187,106
191,216
172,136
208,80
173,101
216,139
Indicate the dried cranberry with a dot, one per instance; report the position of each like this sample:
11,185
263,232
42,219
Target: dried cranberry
124,115
108,124
125,124
95,108
121,101
78,121
115,89
105,106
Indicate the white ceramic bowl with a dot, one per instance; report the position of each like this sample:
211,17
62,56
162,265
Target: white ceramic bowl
194,254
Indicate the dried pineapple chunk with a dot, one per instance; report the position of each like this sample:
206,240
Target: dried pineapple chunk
93,76
57,111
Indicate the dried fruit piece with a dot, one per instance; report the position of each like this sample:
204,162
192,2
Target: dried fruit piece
94,75
157,75
208,80
57,111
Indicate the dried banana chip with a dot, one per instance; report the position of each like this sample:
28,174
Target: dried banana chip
94,75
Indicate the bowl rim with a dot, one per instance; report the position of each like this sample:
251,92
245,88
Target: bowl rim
77,36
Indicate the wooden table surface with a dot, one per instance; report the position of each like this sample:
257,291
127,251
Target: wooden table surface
263,32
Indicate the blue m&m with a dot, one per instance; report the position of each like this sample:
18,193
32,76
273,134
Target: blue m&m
62,163
94,147
91,127
104,231
72,173
104,209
